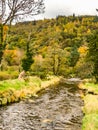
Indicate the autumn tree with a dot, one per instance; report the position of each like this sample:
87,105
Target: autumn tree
12,10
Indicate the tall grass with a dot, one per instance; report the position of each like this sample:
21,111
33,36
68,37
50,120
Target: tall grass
4,75
90,120
15,90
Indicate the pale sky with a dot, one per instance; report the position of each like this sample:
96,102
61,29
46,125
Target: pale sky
54,8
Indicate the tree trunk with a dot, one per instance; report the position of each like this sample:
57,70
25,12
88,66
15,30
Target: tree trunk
1,42
59,63
21,75
54,65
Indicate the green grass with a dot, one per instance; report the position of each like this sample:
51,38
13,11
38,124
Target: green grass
11,84
92,87
90,109
4,75
19,84
90,104
90,122
15,90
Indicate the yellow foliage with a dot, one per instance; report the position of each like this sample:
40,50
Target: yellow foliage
12,98
58,29
4,101
11,52
5,30
69,27
22,94
88,31
82,49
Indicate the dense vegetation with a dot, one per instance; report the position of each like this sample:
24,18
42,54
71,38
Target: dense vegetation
52,46
66,46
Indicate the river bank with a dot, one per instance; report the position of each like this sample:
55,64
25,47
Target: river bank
56,108
90,109
16,90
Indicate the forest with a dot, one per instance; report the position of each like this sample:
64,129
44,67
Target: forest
62,46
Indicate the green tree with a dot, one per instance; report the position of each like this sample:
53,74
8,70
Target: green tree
74,56
27,60
93,52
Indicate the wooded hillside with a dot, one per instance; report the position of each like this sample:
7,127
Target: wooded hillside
51,47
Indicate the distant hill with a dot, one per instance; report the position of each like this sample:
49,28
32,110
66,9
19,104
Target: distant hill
58,45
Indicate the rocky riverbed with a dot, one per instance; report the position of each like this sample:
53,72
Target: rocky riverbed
55,108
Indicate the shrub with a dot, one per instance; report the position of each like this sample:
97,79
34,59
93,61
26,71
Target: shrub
4,75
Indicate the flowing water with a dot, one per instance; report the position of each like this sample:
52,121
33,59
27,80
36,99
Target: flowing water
56,108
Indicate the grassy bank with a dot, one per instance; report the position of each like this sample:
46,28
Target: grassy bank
16,90
90,120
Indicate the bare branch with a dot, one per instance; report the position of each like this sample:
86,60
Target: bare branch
12,9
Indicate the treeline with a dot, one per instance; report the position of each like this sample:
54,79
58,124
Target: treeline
51,47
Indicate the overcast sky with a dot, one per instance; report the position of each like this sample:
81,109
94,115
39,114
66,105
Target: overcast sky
54,8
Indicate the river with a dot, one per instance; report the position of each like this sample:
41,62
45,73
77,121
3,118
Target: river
55,108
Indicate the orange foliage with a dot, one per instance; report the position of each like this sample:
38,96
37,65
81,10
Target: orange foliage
12,56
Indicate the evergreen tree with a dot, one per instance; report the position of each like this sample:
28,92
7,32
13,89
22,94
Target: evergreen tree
74,56
27,60
93,52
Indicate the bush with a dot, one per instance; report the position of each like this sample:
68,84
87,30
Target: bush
12,68
4,75
42,75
